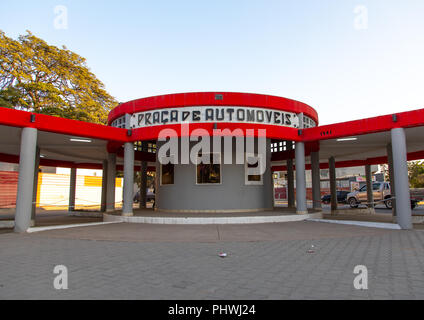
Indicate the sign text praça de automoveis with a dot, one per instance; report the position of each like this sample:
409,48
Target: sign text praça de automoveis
205,114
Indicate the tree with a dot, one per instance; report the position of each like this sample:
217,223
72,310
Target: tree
41,78
9,97
385,169
416,174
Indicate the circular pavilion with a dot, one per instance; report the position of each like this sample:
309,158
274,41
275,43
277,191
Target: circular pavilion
213,149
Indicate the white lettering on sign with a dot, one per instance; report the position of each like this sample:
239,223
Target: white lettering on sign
205,114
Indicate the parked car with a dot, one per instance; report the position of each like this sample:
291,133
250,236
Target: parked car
150,196
381,192
341,197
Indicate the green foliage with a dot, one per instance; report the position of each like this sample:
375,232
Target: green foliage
416,174
37,77
9,97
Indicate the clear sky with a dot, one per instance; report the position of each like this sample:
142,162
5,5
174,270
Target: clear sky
320,52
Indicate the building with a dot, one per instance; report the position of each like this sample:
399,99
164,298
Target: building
277,133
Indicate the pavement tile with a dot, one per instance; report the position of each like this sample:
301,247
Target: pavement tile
127,264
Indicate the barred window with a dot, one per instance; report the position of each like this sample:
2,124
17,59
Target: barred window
209,173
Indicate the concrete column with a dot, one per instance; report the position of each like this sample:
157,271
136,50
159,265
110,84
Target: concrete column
370,196
269,196
392,180
290,177
34,193
400,168
111,179
290,184
156,204
104,187
143,185
316,180
72,189
26,179
333,186
301,207
127,209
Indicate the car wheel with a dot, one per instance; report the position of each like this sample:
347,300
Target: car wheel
353,203
388,204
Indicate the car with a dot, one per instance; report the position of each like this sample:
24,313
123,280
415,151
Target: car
381,193
414,203
341,197
150,196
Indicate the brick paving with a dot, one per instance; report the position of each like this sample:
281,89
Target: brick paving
184,265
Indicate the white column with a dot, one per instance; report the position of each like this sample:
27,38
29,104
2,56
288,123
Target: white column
392,181
290,184
111,178
400,166
316,180
26,179
301,207
333,186
370,196
34,193
127,209
143,184
72,189
104,187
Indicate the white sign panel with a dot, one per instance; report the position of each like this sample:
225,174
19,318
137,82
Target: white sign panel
214,114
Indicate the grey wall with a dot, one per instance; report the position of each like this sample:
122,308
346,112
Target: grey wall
231,194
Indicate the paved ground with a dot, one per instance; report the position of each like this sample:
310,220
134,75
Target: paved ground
137,232
275,264
49,218
380,208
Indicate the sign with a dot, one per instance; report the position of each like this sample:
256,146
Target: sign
354,186
364,179
360,179
214,114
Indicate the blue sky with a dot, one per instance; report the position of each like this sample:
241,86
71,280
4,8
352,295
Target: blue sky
308,50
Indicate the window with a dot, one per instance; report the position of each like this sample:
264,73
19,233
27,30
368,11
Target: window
145,146
252,179
167,174
376,186
151,147
209,173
